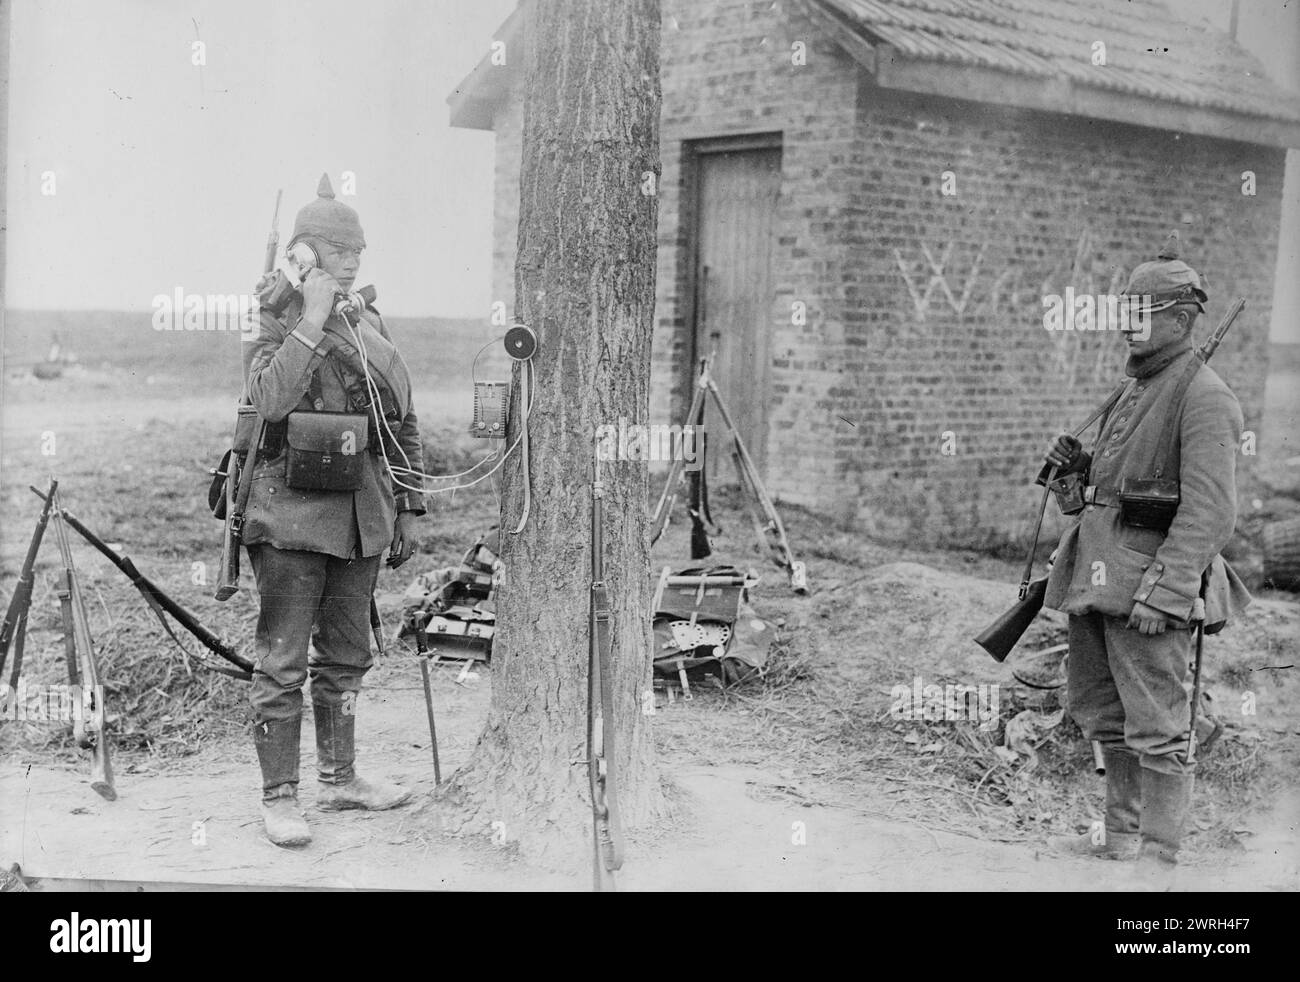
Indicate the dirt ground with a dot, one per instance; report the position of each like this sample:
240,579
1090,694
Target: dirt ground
803,783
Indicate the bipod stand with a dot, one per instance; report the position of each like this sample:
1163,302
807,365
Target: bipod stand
770,533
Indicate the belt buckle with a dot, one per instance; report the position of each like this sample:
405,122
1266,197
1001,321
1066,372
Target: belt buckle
1090,494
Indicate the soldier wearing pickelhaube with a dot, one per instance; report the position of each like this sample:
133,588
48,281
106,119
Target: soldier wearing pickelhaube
1141,565
315,550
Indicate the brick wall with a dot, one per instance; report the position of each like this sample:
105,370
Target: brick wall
893,358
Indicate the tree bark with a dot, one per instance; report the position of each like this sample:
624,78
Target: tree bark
585,283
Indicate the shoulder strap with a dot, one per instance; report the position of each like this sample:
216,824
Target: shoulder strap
1104,410
1174,421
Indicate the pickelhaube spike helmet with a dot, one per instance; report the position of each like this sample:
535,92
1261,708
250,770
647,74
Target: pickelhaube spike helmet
328,219
1167,280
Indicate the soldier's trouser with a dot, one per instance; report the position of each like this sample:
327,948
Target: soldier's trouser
309,597
1132,689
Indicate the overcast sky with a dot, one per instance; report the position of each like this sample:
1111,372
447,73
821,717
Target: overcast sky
166,171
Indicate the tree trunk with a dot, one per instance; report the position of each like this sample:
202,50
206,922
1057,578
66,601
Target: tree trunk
585,283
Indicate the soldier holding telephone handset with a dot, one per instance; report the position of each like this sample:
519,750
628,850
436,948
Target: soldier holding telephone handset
331,399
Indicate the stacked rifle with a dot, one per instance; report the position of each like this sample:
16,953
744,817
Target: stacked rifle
88,710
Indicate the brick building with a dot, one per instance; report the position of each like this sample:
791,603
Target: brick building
883,191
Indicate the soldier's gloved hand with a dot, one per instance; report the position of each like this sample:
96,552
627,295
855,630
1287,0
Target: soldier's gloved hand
264,283
403,539
318,292
1148,620
1065,453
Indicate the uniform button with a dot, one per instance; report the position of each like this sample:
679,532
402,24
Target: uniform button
1108,453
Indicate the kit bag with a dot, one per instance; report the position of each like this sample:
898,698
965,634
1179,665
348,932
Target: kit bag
325,451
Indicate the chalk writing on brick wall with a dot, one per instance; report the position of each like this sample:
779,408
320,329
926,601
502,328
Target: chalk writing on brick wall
960,282
938,280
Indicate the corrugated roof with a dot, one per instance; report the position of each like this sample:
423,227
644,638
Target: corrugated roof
1149,51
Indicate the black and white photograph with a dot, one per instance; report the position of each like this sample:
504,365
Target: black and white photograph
643,446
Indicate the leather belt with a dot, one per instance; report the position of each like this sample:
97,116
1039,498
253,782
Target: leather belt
1106,497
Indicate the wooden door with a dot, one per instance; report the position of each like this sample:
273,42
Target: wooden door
735,218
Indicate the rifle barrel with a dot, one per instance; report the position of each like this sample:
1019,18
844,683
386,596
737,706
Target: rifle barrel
22,595
1212,342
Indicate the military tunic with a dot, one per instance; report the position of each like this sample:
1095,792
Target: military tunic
316,554
1125,686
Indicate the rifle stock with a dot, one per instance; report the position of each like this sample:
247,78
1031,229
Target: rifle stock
228,575
1001,636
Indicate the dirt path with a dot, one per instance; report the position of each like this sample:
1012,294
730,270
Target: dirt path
734,827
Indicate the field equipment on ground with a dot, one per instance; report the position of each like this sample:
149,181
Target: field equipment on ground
772,532
703,625
1151,501
452,616
607,825
454,607
160,603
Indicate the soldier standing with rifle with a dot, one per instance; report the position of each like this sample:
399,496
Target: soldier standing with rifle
314,534
1141,566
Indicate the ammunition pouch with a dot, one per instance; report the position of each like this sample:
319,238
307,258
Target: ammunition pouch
1068,492
1149,503
325,451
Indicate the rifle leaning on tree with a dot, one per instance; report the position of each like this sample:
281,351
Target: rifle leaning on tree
1002,635
607,827
159,602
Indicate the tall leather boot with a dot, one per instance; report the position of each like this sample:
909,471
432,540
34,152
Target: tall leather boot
1119,839
340,787
277,753
1166,800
